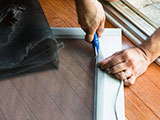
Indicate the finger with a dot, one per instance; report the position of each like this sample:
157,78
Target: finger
119,67
90,33
89,37
114,60
124,75
84,28
106,59
100,28
130,81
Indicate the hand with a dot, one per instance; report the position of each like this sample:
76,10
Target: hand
126,65
91,17
111,0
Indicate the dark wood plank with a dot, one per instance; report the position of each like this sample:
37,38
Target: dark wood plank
2,116
70,91
11,103
42,106
83,53
84,81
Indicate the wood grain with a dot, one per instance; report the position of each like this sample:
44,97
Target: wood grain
67,93
2,116
143,100
11,103
37,99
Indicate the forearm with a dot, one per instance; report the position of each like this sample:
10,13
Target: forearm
152,46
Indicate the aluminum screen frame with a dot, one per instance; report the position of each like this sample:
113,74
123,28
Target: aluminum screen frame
104,108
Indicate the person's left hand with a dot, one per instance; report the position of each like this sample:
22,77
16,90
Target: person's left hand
126,65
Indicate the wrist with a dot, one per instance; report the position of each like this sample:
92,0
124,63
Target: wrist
146,53
151,47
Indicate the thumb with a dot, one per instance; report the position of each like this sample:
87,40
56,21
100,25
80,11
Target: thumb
90,34
100,28
89,37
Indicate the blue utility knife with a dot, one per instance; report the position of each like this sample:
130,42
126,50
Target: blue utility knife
95,43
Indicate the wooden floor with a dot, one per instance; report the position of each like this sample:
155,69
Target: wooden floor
67,94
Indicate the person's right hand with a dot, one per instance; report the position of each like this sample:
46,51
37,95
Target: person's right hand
111,0
91,17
